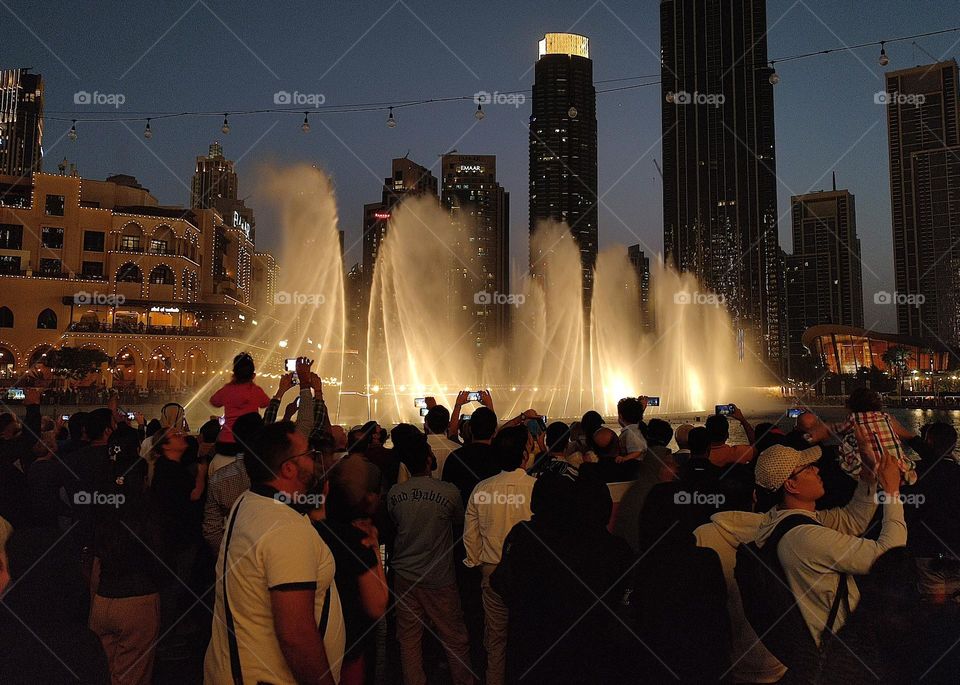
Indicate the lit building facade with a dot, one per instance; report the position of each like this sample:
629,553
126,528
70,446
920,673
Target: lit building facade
21,122
101,265
848,349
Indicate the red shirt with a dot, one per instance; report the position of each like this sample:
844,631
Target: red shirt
237,399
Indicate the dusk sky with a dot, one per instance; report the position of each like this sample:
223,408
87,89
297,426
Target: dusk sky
190,56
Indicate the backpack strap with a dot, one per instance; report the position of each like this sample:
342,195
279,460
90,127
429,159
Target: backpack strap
842,596
785,526
235,670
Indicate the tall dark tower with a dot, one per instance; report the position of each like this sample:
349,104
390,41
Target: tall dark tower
563,145
21,122
719,163
923,130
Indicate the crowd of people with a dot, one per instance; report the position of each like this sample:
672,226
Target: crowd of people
269,548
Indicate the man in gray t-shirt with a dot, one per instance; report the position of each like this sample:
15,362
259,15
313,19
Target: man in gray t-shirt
424,510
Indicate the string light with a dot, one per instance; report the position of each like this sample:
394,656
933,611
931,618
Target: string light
572,112
774,76
147,133
479,115
305,127
883,60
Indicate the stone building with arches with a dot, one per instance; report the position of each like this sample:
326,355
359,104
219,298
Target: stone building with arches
164,291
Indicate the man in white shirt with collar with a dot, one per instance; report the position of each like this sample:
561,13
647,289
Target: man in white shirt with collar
278,617
495,506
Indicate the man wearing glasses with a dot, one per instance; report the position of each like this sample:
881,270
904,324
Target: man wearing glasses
278,616
816,557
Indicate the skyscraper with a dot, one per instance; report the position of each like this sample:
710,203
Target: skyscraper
214,186
480,211
719,163
824,281
923,129
408,179
214,179
563,145
21,122
641,263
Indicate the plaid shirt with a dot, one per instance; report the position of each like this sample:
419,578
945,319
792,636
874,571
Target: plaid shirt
885,440
225,486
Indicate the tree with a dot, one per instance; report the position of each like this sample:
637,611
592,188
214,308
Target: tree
897,358
75,363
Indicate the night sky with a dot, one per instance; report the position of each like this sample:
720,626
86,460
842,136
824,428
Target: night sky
188,56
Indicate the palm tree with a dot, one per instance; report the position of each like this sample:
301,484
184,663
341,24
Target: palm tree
898,358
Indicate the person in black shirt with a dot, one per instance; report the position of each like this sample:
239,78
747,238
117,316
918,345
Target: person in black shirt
178,518
352,498
125,610
933,512
475,462
606,468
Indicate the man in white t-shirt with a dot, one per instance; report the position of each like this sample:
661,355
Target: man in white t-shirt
278,616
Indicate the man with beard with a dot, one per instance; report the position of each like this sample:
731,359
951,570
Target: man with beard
275,586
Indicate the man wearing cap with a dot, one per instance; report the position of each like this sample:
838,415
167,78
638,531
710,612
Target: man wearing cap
813,557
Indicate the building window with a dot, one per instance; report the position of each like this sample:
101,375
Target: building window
129,273
92,269
11,237
52,237
50,267
9,264
93,241
54,205
6,317
130,243
158,246
162,275
47,320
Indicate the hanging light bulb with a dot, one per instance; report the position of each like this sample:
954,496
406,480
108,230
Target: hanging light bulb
391,122
147,133
774,76
883,60
226,124
572,112
72,134
305,127
479,113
